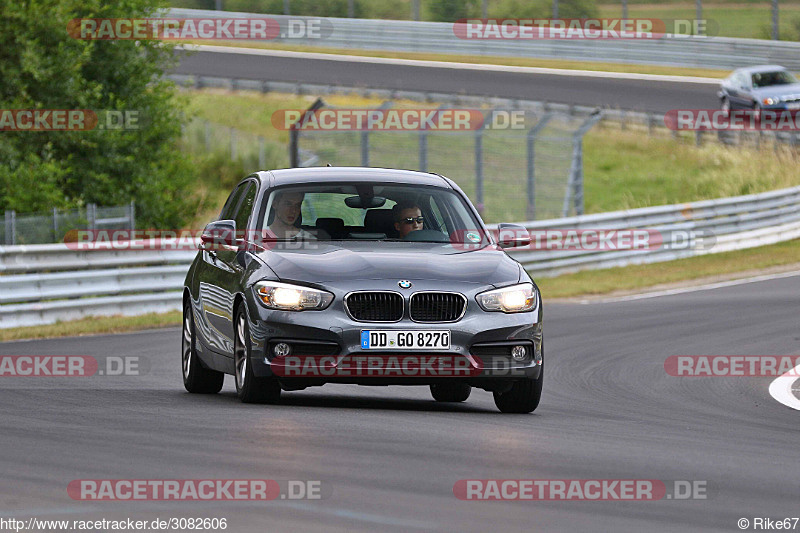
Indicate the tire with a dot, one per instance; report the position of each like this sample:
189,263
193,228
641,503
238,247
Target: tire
523,397
197,379
757,111
249,388
726,106
450,392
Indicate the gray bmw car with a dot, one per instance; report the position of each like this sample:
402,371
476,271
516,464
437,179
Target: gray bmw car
363,276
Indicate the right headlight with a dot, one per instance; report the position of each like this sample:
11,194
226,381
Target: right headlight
514,299
286,297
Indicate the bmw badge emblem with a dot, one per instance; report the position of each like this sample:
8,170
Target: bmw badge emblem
404,284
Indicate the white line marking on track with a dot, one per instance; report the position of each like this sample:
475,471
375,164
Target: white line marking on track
450,64
781,389
682,290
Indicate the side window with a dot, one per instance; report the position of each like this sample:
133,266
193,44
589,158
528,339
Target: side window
242,212
231,203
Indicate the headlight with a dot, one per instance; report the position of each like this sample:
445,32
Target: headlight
513,299
285,297
771,101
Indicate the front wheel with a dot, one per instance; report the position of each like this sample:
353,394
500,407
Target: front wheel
523,397
450,392
757,111
251,389
726,107
196,378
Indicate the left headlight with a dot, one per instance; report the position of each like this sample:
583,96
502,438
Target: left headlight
286,297
513,299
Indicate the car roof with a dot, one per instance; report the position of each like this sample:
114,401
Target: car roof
290,176
760,68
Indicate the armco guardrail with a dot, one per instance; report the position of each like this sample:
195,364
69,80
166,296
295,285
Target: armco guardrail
439,37
41,284
722,225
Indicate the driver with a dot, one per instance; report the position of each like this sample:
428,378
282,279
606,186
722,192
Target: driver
407,218
287,207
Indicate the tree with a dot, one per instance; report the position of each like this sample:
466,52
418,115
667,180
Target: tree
42,67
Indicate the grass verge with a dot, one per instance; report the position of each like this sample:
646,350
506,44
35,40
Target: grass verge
93,326
707,268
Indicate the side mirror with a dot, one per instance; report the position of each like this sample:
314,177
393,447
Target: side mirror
512,236
219,235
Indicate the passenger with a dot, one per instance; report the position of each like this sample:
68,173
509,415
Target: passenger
407,218
287,208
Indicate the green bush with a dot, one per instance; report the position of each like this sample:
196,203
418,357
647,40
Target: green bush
451,10
42,67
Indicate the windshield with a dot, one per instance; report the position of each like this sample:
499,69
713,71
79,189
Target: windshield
767,79
369,212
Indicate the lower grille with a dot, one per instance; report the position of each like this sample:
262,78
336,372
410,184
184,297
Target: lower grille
437,306
375,306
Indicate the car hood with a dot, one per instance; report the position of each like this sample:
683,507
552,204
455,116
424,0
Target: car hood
346,260
777,90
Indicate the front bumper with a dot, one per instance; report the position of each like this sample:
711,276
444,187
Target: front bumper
479,354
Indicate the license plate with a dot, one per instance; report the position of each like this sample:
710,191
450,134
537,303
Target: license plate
793,106
405,339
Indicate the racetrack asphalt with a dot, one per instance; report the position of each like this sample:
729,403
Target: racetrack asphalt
390,456
630,94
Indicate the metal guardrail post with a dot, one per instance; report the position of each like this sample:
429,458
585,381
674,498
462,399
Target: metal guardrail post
132,217
55,224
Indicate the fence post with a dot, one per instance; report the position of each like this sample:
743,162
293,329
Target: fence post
294,134
575,185
365,148
233,144
55,225
91,215
698,138
132,213
530,211
479,169
423,151
11,227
